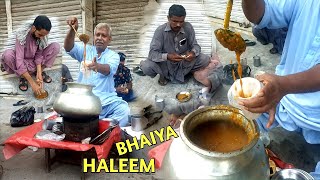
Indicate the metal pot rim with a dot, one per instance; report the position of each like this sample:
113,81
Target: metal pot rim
216,154
298,173
80,84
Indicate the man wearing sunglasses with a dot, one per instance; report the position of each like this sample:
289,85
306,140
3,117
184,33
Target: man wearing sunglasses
174,51
31,54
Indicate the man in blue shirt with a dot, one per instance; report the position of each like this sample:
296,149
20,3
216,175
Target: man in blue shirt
292,96
100,71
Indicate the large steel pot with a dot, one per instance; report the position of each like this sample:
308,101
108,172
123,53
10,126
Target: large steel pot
77,102
186,160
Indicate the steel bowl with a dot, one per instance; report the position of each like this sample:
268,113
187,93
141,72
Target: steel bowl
43,95
183,96
292,174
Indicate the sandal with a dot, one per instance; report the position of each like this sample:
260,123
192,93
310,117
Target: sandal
153,117
138,71
162,81
273,51
46,78
23,84
20,103
2,68
249,42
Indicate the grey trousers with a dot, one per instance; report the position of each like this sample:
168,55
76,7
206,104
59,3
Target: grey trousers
275,36
174,71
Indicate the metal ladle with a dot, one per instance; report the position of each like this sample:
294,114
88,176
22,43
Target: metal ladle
83,37
227,38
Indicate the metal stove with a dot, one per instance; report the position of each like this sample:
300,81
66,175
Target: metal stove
79,129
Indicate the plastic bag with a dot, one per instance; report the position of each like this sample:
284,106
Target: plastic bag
48,135
22,117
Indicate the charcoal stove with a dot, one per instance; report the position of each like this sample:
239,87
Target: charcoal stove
79,129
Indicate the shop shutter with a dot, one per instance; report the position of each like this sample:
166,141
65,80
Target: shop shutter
217,9
126,20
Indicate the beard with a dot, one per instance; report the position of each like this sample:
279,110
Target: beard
34,36
176,29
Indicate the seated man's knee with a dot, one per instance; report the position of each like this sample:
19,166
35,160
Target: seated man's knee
255,31
144,66
55,47
147,67
8,55
203,73
203,80
200,75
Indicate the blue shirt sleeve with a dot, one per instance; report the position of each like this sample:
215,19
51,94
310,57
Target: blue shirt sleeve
277,13
113,61
77,51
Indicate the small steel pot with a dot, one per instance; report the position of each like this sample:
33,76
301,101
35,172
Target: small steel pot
138,122
256,61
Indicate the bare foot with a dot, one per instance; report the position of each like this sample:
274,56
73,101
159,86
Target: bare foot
175,120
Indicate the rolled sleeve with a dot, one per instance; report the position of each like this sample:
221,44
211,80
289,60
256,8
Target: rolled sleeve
277,14
266,17
76,52
165,56
113,63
